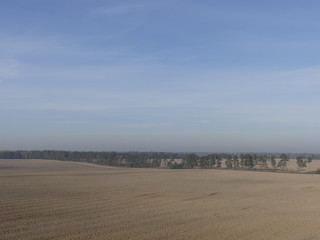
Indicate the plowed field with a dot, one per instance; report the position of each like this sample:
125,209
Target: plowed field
44,199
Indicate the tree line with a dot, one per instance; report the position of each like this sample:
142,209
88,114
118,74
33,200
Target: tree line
169,160
240,161
120,159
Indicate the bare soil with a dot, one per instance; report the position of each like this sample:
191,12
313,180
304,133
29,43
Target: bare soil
45,199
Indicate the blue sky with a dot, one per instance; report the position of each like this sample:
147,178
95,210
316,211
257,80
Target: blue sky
174,75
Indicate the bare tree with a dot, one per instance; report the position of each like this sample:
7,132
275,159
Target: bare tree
235,161
273,162
228,162
300,162
283,161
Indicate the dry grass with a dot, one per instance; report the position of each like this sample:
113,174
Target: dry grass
42,199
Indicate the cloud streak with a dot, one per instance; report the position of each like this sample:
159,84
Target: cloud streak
9,69
117,10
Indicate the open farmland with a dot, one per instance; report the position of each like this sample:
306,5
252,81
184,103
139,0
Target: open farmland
46,199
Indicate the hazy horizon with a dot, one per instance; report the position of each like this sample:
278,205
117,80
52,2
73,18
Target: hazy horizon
173,76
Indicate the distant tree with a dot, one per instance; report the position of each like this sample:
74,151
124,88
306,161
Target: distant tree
300,162
212,160
228,162
155,163
283,161
235,161
249,161
254,157
190,160
263,161
218,162
273,162
204,162
174,165
242,160
309,160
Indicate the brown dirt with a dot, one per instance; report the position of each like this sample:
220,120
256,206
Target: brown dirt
44,199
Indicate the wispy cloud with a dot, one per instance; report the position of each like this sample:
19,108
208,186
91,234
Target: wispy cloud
204,122
118,9
8,69
66,107
146,125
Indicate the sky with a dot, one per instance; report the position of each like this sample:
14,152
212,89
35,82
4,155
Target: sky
169,75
